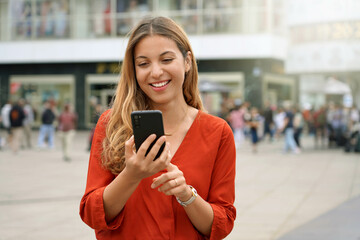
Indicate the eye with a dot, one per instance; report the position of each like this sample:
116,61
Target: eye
167,60
142,64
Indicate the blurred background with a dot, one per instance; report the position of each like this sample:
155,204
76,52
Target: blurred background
302,51
262,55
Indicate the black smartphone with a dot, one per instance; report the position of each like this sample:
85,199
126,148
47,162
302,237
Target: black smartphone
144,124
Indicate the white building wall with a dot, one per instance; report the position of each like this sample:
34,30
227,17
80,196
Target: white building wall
324,36
324,42
113,49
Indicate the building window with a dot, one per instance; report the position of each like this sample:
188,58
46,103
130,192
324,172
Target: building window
52,19
40,19
128,13
21,18
116,17
100,18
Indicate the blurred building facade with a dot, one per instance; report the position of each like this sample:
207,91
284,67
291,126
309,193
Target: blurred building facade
324,50
71,50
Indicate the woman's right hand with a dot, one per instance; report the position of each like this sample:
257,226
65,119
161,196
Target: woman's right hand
139,166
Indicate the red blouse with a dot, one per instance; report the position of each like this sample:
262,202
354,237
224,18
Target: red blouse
206,157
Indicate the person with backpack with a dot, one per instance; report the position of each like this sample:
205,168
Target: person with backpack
47,129
17,116
288,129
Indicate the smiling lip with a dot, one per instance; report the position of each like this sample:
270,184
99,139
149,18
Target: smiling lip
159,85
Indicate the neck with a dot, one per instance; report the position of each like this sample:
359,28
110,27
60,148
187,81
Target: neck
173,116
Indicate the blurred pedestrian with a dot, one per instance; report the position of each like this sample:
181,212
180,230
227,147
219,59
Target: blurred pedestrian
269,127
298,126
254,124
236,120
320,125
17,116
47,129
337,126
308,114
279,120
246,116
95,118
67,125
28,122
288,130
227,104
131,196
5,116
354,116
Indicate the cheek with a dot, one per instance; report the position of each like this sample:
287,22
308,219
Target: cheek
140,75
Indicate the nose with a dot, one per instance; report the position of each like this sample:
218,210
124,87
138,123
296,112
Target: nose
156,71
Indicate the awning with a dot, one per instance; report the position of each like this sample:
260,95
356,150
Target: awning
210,86
334,86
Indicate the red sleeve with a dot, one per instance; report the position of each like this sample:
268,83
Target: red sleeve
222,189
91,205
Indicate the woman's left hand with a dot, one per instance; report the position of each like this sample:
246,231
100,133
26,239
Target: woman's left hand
172,183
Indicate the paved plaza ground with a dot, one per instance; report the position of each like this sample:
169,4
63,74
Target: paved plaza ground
314,195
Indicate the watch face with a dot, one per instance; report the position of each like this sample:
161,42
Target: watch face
193,190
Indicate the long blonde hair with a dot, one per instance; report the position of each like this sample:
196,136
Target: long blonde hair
129,97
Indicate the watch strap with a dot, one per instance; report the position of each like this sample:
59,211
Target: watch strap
192,198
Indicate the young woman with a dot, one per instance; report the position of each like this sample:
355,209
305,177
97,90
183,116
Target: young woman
186,193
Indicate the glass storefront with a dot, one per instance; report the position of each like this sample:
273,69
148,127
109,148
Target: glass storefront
220,87
38,89
100,89
278,88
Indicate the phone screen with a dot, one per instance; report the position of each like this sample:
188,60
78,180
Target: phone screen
144,124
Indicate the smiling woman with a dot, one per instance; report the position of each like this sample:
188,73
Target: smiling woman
160,68
195,185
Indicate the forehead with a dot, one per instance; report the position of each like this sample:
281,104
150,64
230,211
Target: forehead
155,44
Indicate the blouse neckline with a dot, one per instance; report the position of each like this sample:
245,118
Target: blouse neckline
188,133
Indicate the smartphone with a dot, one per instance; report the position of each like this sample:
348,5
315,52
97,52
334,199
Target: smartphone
144,124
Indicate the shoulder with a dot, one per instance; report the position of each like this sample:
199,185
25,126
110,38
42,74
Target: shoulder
104,117
100,128
212,123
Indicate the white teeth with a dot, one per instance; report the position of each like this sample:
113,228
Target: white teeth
159,84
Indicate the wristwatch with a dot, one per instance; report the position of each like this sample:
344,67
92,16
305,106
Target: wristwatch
193,197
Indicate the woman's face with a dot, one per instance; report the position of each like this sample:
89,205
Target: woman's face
160,69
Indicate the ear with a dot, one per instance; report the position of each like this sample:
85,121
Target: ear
188,61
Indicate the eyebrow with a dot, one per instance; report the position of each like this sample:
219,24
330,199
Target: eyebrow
162,54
